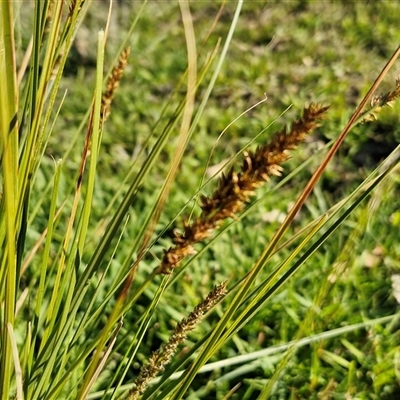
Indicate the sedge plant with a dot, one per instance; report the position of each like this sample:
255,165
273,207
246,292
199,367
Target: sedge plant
79,297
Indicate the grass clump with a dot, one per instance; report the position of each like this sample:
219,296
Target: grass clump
95,180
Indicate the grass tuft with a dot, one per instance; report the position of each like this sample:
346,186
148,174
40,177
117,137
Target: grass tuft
97,168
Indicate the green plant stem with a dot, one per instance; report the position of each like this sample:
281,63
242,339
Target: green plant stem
9,155
95,150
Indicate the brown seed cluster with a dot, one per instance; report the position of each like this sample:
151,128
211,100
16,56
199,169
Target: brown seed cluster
235,189
379,101
113,83
162,357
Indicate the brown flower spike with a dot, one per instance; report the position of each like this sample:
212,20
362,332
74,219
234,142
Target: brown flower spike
162,357
236,188
113,82
379,101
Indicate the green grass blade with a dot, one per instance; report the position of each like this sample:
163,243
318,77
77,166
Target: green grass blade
137,340
17,365
44,272
95,143
9,157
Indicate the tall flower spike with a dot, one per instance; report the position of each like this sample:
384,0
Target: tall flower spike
162,357
113,83
235,189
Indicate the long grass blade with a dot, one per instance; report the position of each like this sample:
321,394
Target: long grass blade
8,208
